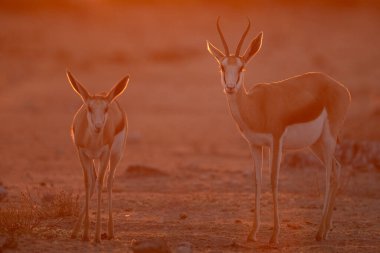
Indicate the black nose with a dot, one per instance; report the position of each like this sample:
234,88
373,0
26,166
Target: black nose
229,89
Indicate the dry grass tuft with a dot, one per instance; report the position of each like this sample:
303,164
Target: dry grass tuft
60,204
30,210
17,219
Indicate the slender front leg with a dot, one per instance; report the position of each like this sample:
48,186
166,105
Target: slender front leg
104,162
257,155
81,215
275,160
87,167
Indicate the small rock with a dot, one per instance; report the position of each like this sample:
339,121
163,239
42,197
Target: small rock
234,244
150,246
184,247
183,216
139,171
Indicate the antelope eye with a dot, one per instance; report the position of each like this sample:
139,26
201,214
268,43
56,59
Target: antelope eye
106,109
89,109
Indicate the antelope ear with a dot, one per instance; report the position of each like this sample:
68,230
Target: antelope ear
82,92
253,48
215,52
118,89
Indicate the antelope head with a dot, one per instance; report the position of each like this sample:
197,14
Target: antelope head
97,105
232,66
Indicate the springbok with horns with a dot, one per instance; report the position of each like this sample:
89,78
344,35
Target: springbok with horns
303,111
99,131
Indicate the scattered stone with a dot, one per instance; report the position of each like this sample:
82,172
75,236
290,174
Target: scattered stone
184,247
236,245
183,216
150,246
136,171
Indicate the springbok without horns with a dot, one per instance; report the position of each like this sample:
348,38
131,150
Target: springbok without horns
99,132
303,111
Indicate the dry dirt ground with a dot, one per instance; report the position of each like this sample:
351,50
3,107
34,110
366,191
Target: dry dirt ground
200,189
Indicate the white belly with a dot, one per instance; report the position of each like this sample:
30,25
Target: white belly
295,136
304,134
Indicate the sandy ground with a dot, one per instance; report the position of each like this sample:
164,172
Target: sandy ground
179,122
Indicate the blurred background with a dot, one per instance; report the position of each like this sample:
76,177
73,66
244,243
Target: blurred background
179,121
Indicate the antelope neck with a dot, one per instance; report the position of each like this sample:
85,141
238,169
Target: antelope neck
234,100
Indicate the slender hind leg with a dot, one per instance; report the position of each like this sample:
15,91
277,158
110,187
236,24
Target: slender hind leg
116,154
257,155
324,149
335,178
113,163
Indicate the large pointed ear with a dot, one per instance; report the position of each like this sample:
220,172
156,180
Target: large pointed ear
218,55
78,87
118,89
253,48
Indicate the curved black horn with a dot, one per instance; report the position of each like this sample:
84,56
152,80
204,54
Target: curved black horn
222,38
242,38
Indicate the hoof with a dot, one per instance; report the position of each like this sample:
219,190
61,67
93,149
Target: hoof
73,236
97,240
251,238
273,241
318,237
